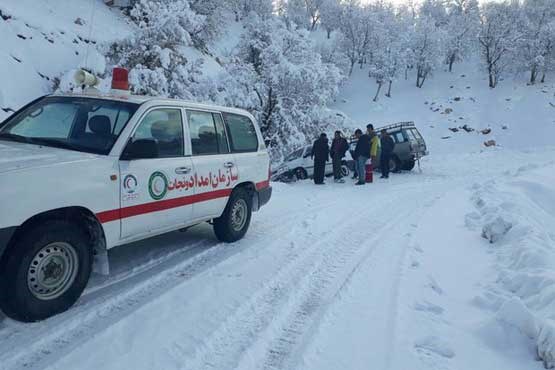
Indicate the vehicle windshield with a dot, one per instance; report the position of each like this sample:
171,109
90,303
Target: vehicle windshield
74,123
296,154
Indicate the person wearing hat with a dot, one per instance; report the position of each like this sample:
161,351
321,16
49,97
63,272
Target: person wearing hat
320,154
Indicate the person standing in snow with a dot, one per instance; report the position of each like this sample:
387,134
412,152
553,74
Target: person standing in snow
320,154
362,152
374,143
339,147
388,145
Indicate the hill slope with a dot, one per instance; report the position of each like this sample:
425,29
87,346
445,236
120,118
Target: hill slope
518,115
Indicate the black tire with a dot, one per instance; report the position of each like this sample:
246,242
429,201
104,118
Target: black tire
43,246
227,227
395,164
301,174
345,171
409,165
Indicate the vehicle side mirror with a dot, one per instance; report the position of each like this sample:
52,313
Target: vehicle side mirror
308,154
140,149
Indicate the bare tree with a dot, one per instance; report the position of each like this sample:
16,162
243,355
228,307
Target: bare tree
498,36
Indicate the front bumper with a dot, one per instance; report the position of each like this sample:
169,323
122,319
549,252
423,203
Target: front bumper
5,237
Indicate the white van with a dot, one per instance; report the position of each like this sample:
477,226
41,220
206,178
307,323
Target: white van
80,174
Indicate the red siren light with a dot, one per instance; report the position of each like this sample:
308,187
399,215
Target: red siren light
120,80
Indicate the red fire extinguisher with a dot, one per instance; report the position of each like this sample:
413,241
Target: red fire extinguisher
369,171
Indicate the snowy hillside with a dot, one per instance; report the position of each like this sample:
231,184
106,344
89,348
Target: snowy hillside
448,268
43,39
519,116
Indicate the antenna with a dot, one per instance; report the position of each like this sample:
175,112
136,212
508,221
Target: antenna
93,11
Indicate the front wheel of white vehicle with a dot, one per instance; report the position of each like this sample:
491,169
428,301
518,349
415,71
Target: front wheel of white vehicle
45,271
233,224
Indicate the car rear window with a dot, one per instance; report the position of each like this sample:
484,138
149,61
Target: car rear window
242,133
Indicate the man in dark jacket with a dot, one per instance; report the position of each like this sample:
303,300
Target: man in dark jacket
387,145
320,153
339,147
362,153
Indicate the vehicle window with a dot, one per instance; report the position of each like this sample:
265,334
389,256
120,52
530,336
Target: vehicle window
242,133
399,138
74,123
416,134
411,135
207,133
117,117
223,145
49,121
296,154
166,128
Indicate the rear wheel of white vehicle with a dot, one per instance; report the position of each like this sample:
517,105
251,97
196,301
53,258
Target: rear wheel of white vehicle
301,174
345,170
45,271
233,224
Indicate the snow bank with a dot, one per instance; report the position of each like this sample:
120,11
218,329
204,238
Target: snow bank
519,216
494,230
546,344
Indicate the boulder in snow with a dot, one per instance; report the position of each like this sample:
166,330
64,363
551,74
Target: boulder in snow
490,143
486,131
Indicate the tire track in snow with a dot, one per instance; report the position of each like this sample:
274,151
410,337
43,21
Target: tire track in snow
276,316
31,345
286,349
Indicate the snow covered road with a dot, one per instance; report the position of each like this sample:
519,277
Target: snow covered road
327,278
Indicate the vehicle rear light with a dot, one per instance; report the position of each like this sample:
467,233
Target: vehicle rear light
120,79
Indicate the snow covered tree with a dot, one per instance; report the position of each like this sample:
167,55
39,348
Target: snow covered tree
434,10
330,16
294,13
314,10
281,79
538,42
242,8
461,30
498,37
154,55
356,32
426,48
389,48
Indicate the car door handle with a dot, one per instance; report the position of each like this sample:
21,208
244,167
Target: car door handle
229,164
182,170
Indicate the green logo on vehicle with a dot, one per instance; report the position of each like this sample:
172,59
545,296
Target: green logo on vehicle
158,185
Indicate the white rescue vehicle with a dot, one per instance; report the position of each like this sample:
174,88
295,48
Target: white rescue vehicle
80,174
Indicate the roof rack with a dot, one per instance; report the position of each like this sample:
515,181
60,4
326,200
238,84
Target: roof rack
396,125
